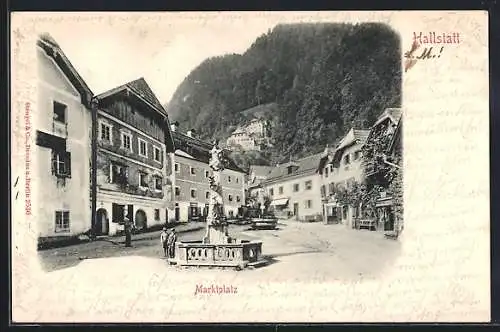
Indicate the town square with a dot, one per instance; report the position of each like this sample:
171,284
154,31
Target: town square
148,174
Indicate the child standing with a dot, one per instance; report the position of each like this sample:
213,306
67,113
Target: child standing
163,238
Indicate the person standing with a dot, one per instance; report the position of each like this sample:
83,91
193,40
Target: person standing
172,238
128,231
163,239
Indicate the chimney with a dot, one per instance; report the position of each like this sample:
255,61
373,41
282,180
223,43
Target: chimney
174,126
191,133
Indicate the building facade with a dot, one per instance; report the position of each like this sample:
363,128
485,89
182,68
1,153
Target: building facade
252,136
294,189
133,167
61,182
377,166
191,179
341,169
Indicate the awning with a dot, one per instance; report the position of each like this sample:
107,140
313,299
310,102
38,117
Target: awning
279,202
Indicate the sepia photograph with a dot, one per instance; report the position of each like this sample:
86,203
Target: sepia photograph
219,167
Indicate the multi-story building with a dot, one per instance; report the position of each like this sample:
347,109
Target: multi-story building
377,166
241,139
342,168
133,168
294,188
252,136
61,180
191,178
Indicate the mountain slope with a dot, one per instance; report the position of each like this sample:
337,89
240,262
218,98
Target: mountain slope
324,78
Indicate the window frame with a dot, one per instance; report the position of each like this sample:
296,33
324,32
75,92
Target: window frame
65,112
110,127
308,185
139,141
122,141
111,174
156,149
141,174
156,178
308,204
61,228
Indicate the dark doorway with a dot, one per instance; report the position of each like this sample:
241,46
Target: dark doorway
101,226
177,212
296,210
166,216
140,220
193,212
389,219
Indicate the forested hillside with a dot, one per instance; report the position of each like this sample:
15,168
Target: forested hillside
324,78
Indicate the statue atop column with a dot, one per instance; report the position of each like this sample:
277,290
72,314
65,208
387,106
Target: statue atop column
216,221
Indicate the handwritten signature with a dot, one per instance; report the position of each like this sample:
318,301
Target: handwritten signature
427,53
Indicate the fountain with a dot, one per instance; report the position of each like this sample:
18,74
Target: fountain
217,248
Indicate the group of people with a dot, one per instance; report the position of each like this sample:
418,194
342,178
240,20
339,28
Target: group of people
168,239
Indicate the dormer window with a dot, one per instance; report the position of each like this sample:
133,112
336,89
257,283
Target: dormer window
290,169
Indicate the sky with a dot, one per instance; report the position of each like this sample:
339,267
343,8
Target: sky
107,55
111,49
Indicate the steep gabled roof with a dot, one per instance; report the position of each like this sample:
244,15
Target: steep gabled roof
143,92
392,113
140,89
143,89
52,49
354,136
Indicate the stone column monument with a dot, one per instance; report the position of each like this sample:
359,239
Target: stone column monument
217,231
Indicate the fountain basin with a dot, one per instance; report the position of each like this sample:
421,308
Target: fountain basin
238,253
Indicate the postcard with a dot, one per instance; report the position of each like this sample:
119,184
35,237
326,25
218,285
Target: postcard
250,167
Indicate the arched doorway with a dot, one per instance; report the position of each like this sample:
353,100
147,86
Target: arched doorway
140,219
101,226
